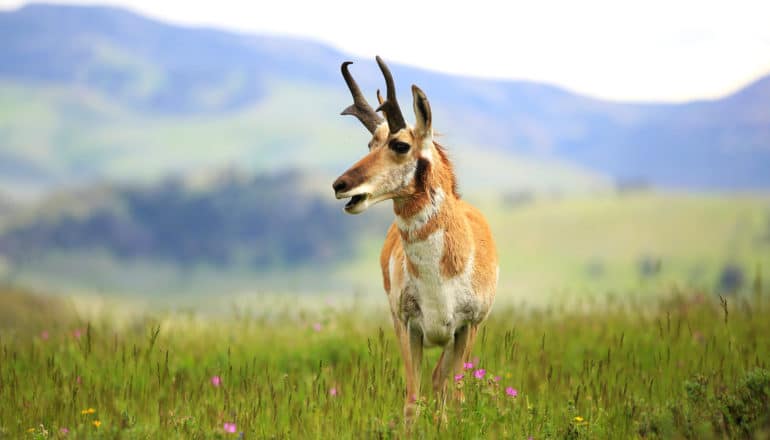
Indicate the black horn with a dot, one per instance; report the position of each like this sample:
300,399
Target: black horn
390,107
360,108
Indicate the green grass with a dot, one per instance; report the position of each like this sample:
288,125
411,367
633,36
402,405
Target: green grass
679,366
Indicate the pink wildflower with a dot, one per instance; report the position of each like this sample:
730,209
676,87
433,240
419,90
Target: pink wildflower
230,427
317,326
511,392
44,335
333,391
479,373
64,431
77,333
77,379
468,365
459,377
497,378
216,381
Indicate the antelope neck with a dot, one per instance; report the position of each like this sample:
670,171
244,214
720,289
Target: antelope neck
430,207
420,216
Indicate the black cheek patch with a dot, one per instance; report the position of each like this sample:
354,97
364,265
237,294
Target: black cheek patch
421,174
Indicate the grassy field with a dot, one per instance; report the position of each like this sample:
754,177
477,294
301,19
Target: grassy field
683,365
598,245
549,248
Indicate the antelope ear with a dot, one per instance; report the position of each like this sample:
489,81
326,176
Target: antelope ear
423,124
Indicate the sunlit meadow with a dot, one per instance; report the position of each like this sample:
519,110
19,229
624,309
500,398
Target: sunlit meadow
174,264
684,365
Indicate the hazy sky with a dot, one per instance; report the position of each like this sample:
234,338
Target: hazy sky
670,50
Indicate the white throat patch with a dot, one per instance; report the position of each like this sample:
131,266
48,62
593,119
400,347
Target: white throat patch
426,150
422,218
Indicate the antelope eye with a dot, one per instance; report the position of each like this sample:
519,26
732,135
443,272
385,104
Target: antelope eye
399,147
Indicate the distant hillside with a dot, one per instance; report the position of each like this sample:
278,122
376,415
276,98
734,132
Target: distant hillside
150,65
229,220
226,235
20,307
59,137
5,205
6,209
101,93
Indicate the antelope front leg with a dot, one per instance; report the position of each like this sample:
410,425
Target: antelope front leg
410,343
451,360
415,354
473,330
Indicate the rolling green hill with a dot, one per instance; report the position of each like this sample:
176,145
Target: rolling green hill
639,243
95,92
627,243
52,136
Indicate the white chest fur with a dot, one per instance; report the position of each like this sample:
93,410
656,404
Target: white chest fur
443,304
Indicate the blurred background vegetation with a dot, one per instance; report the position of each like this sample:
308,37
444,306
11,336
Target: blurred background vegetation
179,164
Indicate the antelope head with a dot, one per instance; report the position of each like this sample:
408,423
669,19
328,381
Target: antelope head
398,152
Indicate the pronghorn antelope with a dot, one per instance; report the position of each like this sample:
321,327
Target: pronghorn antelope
439,263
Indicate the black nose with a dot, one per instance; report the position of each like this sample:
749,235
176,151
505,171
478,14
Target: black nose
340,185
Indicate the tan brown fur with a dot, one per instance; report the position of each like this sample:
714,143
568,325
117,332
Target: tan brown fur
465,232
438,262
470,226
458,219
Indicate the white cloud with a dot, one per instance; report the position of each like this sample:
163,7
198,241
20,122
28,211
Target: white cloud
652,50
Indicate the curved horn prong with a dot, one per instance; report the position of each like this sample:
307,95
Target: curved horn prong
390,107
360,108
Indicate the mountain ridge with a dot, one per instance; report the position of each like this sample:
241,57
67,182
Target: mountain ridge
165,73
